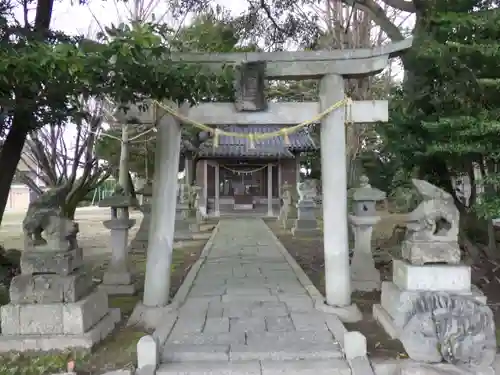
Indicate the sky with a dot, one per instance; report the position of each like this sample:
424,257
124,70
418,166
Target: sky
81,19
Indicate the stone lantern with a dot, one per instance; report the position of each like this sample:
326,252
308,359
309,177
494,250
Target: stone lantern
118,279
140,241
182,215
364,275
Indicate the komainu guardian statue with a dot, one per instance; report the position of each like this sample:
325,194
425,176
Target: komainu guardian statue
44,215
432,228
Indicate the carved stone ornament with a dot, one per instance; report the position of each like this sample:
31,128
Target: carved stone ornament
249,87
432,228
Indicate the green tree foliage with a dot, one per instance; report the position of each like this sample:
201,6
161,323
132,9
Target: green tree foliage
445,117
44,75
212,31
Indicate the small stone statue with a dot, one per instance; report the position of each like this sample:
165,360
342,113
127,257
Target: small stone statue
307,190
40,213
442,326
432,228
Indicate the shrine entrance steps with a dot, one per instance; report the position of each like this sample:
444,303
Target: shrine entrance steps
247,313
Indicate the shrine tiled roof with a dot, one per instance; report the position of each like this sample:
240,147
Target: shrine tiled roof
229,146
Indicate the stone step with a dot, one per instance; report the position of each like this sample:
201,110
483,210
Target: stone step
242,352
306,367
290,351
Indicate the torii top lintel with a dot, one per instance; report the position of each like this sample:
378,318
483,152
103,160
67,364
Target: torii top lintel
308,64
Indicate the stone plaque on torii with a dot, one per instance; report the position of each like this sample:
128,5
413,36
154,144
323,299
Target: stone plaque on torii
249,85
331,68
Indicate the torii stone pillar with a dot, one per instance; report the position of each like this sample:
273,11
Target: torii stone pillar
160,242
334,181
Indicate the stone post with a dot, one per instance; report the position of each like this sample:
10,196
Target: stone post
292,213
364,276
217,190
204,200
270,190
118,279
286,199
306,223
53,304
334,180
196,216
161,242
140,241
182,216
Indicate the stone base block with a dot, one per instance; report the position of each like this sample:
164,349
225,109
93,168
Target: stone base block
385,320
55,318
243,206
346,314
303,232
100,330
49,288
424,252
62,263
119,289
194,227
188,243
364,285
182,235
394,302
207,227
114,277
201,236
431,277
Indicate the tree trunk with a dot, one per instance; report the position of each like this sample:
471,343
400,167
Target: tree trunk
11,155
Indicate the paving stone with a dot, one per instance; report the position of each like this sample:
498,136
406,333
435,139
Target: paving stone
251,291
211,368
215,310
297,304
216,325
208,338
307,367
206,291
235,311
291,351
312,321
279,324
247,325
188,353
270,309
257,298
188,324
295,337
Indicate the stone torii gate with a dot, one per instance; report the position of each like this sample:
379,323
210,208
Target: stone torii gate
331,68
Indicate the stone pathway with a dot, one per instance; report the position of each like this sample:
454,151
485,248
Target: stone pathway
247,313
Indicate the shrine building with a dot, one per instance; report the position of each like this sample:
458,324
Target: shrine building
239,176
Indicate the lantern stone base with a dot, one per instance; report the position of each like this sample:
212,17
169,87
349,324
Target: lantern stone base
118,283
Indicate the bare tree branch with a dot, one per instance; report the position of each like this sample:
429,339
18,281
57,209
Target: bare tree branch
404,5
379,16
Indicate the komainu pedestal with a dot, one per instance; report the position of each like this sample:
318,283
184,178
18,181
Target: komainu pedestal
431,305
53,304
